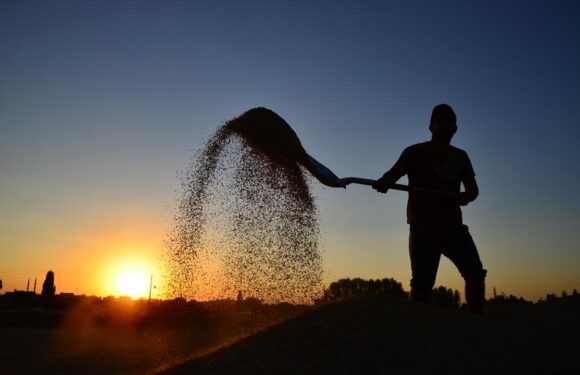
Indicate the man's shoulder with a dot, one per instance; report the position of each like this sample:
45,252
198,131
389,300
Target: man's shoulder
457,150
427,150
418,147
428,146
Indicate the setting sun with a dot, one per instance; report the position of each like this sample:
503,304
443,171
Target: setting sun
133,283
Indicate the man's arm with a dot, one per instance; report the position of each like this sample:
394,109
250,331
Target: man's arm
392,175
382,184
471,190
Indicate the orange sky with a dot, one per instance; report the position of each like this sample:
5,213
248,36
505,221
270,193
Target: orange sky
90,253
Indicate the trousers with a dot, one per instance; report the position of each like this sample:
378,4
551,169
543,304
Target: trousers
426,245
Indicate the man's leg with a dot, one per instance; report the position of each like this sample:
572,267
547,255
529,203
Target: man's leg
461,250
424,250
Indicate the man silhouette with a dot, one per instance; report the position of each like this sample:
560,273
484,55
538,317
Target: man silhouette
436,224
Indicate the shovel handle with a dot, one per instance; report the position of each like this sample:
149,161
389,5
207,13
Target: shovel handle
370,182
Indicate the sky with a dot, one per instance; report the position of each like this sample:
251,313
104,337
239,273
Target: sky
103,103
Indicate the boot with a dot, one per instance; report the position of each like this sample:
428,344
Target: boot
475,297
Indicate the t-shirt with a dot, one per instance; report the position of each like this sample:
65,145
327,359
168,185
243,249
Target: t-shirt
437,167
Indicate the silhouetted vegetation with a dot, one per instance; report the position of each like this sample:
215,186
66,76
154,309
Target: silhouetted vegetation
565,299
20,308
23,308
551,299
48,287
446,297
346,288
507,299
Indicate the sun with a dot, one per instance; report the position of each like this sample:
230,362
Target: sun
133,283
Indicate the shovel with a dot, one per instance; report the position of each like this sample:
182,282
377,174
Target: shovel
328,178
267,132
325,175
366,181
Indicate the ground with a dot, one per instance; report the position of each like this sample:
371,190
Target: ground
363,335
374,334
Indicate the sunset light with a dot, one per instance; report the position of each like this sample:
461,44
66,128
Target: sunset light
133,283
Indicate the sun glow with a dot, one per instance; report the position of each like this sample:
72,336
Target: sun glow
133,283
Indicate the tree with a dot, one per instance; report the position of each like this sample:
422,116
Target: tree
48,287
345,288
445,297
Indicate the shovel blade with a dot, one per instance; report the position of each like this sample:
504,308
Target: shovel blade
322,173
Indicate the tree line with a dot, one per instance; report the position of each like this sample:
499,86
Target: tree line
346,288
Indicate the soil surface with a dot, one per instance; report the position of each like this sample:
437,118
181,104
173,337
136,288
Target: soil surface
376,334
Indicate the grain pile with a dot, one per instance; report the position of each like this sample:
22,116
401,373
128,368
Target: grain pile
246,219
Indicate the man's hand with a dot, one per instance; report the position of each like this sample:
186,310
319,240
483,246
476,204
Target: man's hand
381,186
471,191
464,199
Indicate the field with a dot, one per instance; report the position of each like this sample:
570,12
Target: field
125,337
366,334
381,335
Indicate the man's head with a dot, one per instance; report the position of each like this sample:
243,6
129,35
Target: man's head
443,123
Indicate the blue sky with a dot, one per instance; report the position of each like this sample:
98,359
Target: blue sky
102,103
